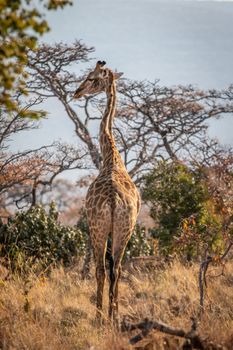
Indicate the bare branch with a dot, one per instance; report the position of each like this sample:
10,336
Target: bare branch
147,326
203,270
152,121
51,77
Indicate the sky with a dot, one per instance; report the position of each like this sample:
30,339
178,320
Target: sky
179,42
176,41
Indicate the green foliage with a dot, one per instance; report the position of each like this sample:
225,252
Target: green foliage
174,193
139,244
204,233
38,235
82,223
21,25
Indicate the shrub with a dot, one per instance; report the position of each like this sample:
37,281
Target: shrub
203,233
38,235
139,244
187,219
174,193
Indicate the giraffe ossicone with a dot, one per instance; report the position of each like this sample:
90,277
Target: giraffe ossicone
112,200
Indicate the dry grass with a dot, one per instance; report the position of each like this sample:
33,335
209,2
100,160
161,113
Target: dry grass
58,312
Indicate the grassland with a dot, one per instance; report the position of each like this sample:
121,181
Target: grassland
57,312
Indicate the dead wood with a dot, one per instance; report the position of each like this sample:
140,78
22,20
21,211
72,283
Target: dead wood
203,270
192,339
147,326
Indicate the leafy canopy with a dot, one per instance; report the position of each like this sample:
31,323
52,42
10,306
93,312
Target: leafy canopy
174,193
21,25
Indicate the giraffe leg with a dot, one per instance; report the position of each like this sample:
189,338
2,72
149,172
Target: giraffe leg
116,290
99,221
115,274
100,278
120,239
111,285
113,288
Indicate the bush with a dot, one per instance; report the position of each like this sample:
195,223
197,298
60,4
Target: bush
174,193
139,244
203,233
187,219
39,236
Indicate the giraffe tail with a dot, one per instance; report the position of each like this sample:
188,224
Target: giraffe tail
109,257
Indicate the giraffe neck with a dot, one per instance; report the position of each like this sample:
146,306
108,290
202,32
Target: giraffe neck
110,154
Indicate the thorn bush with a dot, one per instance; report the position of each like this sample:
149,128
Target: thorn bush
37,235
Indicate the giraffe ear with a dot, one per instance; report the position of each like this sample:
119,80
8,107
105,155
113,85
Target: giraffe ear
117,75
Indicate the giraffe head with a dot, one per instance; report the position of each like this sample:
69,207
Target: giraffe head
97,81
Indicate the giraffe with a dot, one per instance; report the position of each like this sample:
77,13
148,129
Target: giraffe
112,200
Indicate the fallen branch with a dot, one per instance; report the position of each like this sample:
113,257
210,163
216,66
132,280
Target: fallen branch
146,326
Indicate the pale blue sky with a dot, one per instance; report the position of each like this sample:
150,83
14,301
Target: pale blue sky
176,41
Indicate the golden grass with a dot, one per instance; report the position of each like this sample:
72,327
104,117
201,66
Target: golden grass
58,312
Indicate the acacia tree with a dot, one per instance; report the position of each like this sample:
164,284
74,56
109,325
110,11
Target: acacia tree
25,173
167,123
51,76
153,122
